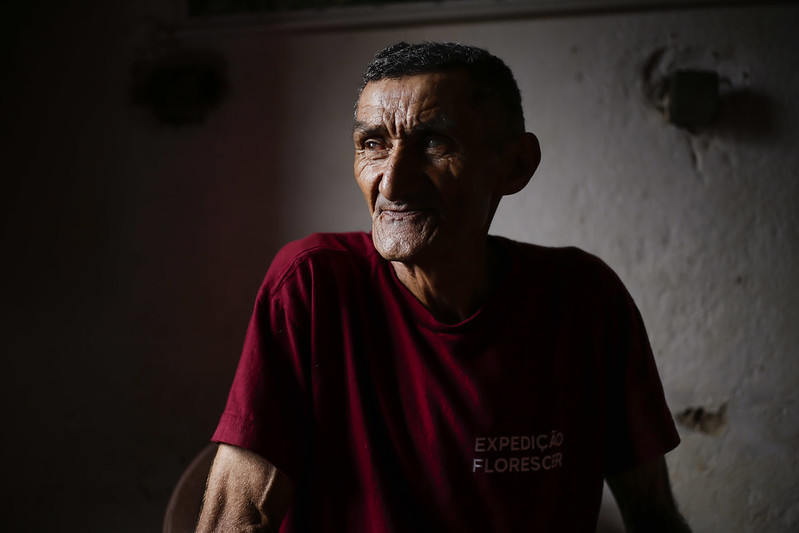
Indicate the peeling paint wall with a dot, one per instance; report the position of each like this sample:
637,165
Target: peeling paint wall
135,249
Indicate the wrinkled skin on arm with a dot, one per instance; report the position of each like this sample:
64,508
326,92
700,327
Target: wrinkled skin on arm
645,499
245,493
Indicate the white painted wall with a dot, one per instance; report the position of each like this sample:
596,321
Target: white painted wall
135,250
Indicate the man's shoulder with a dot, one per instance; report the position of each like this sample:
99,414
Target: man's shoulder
565,259
319,250
326,243
563,271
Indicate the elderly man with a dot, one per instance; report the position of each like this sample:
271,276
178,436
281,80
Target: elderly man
428,376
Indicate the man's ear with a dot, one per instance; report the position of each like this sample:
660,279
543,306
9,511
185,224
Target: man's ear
523,161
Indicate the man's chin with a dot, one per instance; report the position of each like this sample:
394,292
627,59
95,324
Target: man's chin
401,248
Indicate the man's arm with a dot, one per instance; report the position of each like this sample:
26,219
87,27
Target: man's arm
245,493
645,499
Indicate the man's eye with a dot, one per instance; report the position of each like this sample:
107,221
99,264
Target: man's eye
434,142
371,144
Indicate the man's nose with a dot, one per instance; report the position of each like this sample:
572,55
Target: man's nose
402,174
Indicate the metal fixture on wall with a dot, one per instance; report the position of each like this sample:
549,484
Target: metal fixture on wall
180,87
705,89
692,98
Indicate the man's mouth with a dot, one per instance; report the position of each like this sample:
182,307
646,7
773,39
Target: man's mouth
402,213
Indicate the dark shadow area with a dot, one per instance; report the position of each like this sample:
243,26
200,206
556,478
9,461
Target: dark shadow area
747,115
182,87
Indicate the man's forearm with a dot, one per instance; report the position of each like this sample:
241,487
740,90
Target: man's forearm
245,493
645,500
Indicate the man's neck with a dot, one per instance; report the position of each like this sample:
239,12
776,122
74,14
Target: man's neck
452,288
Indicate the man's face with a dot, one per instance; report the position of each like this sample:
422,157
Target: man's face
427,165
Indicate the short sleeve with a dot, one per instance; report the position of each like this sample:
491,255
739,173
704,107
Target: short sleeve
639,426
267,410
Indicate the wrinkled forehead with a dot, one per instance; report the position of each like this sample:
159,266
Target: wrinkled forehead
441,97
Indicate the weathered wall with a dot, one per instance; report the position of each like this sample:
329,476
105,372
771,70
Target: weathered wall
133,250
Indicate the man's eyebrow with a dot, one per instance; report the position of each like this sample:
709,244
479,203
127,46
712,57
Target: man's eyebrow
363,128
438,123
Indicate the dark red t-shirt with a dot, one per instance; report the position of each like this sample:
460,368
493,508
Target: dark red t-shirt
391,421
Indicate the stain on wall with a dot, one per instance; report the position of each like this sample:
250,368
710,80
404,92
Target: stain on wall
704,421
